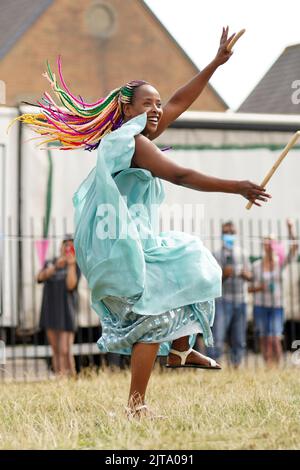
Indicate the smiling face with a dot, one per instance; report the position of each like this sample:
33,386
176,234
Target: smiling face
146,99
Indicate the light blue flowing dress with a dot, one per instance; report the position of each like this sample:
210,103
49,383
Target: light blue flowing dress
145,286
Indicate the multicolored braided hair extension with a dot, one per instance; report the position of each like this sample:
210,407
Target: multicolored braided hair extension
77,124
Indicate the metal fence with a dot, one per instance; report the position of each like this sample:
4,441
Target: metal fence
24,350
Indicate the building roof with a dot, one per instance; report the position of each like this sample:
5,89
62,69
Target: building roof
16,16
273,94
22,21
183,52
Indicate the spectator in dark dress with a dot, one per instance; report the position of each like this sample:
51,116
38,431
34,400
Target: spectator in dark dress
60,306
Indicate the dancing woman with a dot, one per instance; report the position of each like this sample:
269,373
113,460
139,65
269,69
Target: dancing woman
153,292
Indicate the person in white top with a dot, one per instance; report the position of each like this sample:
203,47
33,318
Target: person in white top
268,295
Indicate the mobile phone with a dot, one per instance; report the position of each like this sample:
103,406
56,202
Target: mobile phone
70,250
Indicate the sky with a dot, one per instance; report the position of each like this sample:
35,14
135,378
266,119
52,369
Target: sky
197,25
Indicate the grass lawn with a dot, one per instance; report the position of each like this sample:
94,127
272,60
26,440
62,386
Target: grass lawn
226,409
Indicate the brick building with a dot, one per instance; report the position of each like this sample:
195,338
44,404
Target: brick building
103,44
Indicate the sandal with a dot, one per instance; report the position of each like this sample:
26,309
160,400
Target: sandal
141,411
183,356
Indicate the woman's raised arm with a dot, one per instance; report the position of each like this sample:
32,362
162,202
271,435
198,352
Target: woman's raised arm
184,97
293,249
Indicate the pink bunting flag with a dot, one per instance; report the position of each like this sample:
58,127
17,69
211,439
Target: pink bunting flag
278,248
42,248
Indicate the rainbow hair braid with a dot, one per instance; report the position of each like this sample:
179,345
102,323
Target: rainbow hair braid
77,124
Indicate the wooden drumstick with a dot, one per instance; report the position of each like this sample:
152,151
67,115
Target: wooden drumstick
277,163
235,39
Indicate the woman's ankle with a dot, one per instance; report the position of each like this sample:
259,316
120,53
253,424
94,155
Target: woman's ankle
181,344
135,400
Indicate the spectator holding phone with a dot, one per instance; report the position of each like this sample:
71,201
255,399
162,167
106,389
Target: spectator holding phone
60,306
269,296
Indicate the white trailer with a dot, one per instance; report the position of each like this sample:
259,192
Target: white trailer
225,145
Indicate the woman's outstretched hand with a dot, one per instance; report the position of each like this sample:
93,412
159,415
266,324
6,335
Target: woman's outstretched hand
252,192
223,54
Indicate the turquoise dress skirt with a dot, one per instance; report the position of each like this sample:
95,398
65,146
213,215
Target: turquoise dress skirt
146,286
